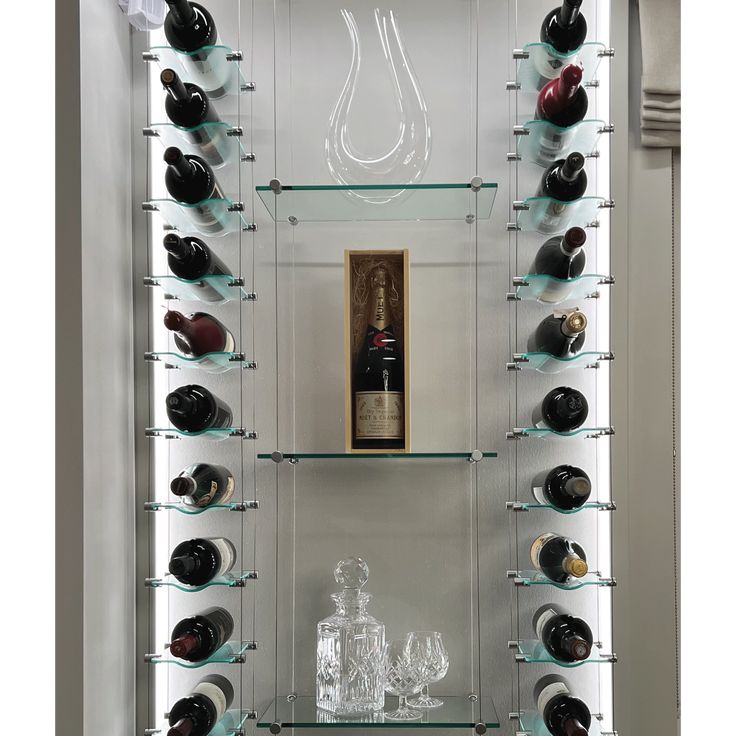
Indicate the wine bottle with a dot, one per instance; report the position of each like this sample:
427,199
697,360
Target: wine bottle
189,108
561,334
378,378
562,257
198,637
202,484
563,714
190,180
197,561
198,334
565,487
192,259
190,28
559,558
564,181
566,637
564,28
563,409
198,713
194,409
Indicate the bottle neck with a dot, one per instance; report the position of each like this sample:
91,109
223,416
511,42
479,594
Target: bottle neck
576,646
568,172
176,88
568,13
351,602
380,314
181,11
183,645
182,167
182,564
178,248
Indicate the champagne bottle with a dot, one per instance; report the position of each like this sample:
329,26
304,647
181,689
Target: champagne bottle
198,637
565,487
563,258
564,181
566,637
198,561
563,714
563,409
561,334
378,378
198,713
199,334
189,108
558,558
202,484
194,409
191,258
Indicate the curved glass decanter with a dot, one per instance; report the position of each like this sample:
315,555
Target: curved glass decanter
406,160
350,643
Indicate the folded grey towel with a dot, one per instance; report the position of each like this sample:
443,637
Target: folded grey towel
661,102
660,138
664,116
660,46
659,125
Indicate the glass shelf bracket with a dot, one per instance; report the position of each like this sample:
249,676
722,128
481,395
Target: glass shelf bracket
234,652
171,433
534,287
226,286
218,362
230,580
522,506
548,363
475,456
187,510
592,433
527,578
532,651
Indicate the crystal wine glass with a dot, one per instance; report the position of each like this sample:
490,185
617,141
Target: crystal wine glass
428,650
402,678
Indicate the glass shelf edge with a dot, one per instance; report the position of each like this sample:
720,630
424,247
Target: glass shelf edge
532,651
231,653
279,457
187,510
591,432
592,506
171,433
529,578
231,580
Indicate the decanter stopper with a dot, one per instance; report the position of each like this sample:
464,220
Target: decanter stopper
352,573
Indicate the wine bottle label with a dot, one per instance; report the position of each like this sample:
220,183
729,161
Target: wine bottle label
551,691
211,691
227,554
536,549
379,415
210,495
543,620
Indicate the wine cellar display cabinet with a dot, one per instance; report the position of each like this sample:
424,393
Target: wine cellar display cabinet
409,129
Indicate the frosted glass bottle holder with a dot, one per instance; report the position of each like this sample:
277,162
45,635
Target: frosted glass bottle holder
592,433
230,289
531,723
231,724
225,138
528,578
541,56
226,77
215,435
188,510
226,214
523,506
230,580
543,143
532,651
551,216
534,286
216,362
547,363
234,652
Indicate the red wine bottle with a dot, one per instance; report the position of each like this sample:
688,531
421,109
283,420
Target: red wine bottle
192,259
561,334
194,409
564,28
198,713
563,714
198,561
563,409
190,180
189,108
566,637
198,637
198,334
563,258
558,558
564,181
378,377
202,484
565,487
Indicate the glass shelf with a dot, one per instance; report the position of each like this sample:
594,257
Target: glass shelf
223,141
390,202
231,653
523,506
532,651
230,580
526,578
546,363
187,510
535,286
202,290
588,432
543,143
224,77
302,712
531,723
223,215
218,362
216,435
552,217
231,724
542,56
295,457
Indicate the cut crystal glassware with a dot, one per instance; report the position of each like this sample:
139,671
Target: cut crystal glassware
350,644
403,677
428,649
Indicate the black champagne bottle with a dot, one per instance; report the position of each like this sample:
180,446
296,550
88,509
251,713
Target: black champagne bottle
197,561
198,637
378,377
561,334
189,108
563,409
563,714
190,180
562,257
558,558
203,484
564,181
566,637
190,28
193,408
191,258
565,487
198,713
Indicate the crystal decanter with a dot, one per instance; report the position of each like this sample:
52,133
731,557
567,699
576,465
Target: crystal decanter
350,647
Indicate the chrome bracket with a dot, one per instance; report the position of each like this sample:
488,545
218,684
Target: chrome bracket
516,434
245,507
235,131
609,431
511,86
595,223
469,219
520,358
519,281
251,715
250,575
149,207
607,52
513,157
150,356
512,226
150,56
607,281
592,83
275,727
291,697
293,220
234,56
475,456
480,728
519,206
608,204
476,183
607,128
513,644
512,297
275,185
516,506
248,157
246,434
521,130
277,456
248,87
513,367
472,697
520,54
150,133
250,228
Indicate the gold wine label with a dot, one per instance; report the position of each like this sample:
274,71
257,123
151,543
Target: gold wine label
379,415
379,315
